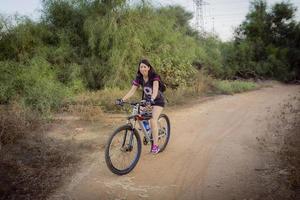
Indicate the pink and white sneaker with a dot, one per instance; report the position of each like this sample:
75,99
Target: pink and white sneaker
155,149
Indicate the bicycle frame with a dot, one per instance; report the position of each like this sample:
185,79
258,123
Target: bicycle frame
136,116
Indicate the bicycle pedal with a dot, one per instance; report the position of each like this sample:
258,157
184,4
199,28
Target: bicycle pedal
145,142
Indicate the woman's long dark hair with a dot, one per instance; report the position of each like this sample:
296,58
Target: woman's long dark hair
151,72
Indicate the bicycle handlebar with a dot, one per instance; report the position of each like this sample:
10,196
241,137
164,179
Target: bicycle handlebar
144,115
141,103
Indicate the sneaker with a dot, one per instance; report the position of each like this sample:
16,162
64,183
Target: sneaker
155,149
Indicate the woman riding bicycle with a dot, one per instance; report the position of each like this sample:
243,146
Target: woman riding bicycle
149,81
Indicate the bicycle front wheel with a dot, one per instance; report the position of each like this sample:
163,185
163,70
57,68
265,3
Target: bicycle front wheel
123,150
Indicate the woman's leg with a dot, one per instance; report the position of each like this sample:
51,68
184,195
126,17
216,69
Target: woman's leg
154,123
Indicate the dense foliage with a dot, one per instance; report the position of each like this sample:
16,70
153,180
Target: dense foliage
82,44
266,44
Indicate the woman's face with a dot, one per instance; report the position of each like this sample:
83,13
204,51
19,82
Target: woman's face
144,69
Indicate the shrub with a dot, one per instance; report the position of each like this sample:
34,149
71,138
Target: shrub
33,85
231,87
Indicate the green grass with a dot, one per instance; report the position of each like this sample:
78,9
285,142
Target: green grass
231,87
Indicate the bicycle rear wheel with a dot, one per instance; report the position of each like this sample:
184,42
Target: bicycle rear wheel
123,150
164,131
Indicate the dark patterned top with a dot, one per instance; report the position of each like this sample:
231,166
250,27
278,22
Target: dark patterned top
148,89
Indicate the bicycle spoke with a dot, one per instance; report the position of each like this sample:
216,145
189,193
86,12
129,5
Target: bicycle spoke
163,131
121,154
162,126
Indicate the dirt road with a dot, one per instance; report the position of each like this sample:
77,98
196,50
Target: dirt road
212,154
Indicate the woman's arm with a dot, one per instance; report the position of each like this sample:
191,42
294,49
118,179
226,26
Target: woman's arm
155,90
130,93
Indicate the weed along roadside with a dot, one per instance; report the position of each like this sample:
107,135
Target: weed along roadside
102,101
281,145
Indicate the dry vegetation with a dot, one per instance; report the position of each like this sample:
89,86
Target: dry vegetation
15,122
37,164
282,147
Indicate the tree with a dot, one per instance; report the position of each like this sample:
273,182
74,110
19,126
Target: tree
271,37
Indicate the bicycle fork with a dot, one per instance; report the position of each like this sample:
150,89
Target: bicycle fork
129,145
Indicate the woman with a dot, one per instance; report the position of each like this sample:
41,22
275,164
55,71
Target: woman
149,81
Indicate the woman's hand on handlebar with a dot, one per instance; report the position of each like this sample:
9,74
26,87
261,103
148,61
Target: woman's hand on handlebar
150,102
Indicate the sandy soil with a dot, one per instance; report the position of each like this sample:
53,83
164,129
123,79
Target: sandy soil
213,153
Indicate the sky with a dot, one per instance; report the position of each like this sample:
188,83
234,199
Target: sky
30,8
220,16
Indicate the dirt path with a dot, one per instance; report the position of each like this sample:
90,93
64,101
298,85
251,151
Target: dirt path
213,154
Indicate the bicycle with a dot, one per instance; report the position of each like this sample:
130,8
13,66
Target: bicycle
123,148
